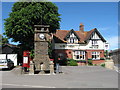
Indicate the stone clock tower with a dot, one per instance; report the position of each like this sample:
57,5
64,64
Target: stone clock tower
41,38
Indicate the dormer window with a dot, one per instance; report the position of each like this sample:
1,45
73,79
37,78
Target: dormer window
72,38
95,36
94,42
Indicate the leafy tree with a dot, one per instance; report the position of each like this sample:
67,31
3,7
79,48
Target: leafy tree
106,53
20,24
0,40
3,40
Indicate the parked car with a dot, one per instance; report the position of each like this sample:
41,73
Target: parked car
6,63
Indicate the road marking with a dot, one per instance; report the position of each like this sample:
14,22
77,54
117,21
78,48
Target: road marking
28,86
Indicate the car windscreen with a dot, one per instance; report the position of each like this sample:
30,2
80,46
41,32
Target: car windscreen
3,61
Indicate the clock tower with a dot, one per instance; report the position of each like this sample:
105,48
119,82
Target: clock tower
41,38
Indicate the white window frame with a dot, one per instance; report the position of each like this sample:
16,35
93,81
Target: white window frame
79,54
72,38
95,55
95,44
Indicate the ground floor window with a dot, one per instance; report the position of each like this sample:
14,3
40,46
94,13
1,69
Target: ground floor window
95,55
79,55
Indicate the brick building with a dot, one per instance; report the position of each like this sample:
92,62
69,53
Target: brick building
80,45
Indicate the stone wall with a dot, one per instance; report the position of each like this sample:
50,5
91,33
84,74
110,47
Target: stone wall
115,55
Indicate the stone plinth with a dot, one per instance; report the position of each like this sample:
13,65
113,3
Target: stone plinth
52,68
109,64
31,69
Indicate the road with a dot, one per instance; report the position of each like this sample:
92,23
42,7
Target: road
72,77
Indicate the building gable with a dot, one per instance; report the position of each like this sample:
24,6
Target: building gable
72,37
95,35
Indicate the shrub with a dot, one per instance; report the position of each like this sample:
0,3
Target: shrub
102,59
103,65
90,62
83,61
107,58
89,58
95,64
72,62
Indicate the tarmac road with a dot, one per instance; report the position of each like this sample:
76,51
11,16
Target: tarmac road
72,77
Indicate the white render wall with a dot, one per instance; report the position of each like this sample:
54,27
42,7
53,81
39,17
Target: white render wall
101,45
13,57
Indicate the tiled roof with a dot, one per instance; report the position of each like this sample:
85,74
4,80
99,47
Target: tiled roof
10,45
61,34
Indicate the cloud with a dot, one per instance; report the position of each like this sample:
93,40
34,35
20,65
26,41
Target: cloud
114,42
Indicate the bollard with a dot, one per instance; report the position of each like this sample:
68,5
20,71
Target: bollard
31,69
52,68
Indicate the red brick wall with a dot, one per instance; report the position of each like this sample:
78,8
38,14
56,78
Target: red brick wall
68,54
89,53
102,54
98,61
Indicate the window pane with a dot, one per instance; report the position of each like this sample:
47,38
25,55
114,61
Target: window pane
77,57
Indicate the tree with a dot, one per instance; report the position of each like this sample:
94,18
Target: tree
3,40
0,40
20,24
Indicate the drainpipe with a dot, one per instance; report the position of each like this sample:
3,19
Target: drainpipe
6,56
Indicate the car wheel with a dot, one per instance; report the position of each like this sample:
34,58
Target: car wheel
9,67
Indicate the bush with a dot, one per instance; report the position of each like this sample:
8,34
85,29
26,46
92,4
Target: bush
89,58
72,62
103,65
102,59
90,62
107,58
82,61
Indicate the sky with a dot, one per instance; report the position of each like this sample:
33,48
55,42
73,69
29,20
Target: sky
100,15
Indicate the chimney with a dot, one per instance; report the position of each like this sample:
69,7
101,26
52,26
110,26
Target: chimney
81,27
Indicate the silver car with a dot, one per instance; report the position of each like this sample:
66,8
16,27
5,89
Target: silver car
6,63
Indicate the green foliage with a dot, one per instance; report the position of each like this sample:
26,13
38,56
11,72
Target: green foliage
72,62
90,62
82,61
95,64
102,59
3,40
32,54
106,53
20,24
107,58
0,40
103,65
89,58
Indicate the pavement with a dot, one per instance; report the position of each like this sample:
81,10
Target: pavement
72,77
117,67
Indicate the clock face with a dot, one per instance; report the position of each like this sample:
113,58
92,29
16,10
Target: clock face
41,36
